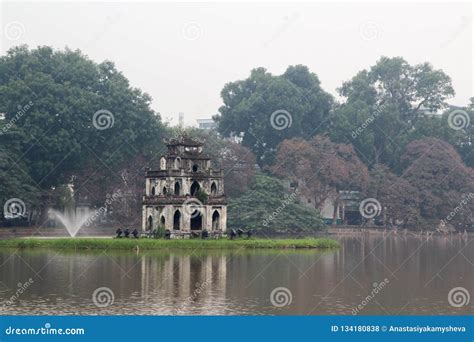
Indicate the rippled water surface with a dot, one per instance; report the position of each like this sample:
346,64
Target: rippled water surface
418,273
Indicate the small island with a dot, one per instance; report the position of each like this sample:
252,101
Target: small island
157,244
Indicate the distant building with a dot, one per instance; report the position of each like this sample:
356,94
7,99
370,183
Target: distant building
348,209
185,195
428,112
206,123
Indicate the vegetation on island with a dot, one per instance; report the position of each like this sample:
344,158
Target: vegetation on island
392,136
268,208
157,244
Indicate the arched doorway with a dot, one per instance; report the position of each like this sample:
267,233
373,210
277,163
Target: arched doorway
213,189
177,188
164,190
194,188
150,223
216,221
153,191
196,220
162,221
177,220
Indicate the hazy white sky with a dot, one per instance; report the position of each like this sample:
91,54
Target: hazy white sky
183,54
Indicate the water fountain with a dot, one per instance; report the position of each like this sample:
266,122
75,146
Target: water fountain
70,220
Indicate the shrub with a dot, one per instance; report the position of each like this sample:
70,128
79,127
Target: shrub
159,233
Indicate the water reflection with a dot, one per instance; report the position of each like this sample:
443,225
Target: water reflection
420,272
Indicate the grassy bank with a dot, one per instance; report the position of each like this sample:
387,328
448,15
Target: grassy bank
152,244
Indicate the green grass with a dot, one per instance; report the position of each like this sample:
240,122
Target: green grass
152,244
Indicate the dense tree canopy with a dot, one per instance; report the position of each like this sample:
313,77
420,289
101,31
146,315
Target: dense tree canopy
435,169
15,181
267,208
399,200
465,137
68,122
267,109
384,104
73,115
321,167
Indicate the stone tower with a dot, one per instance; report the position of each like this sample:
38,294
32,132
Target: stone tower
185,195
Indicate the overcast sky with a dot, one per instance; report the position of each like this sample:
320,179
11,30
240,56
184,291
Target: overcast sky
183,54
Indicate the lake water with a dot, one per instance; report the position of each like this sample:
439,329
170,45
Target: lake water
400,274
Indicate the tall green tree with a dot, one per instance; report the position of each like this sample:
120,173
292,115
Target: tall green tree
15,181
266,109
75,114
384,104
464,141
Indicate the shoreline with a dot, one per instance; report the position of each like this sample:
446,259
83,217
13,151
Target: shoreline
156,244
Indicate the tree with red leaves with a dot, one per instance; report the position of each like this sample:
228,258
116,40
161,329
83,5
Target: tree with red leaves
321,168
444,183
399,200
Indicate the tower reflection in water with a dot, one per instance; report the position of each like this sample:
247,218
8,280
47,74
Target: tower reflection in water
184,284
